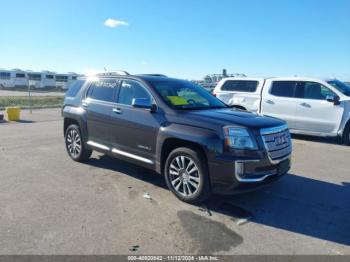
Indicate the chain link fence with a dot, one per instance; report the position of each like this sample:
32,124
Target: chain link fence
29,96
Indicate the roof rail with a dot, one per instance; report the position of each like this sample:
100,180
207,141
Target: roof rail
113,73
161,75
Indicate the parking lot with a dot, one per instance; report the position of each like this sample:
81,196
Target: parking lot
52,205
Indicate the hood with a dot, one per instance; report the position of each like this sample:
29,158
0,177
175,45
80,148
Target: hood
233,117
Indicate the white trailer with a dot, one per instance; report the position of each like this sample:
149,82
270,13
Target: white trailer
20,78
62,80
13,78
5,78
34,79
48,79
45,79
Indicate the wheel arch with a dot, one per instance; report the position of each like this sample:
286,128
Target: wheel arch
240,107
172,143
345,130
69,121
174,135
75,115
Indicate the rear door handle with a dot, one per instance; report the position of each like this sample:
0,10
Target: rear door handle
305,105
270,102
117,110
84,104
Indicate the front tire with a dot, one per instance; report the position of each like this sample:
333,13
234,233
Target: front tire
187,176
75,145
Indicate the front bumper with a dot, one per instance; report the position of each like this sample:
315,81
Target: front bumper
251,171
232,176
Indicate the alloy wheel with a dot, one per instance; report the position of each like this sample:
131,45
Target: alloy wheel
73,143
184,175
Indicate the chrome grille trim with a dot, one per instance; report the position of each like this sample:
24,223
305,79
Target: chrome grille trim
273,130
277,152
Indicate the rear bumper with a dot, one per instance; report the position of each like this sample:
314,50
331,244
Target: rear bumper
233,176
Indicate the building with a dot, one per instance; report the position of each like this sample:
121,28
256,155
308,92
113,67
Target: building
17,78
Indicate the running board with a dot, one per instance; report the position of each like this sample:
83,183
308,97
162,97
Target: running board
139,158
120,152
92,143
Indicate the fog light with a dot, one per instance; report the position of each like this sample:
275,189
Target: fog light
239,169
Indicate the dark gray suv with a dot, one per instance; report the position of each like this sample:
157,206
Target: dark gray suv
177,129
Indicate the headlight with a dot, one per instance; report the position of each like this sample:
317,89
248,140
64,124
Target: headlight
239,138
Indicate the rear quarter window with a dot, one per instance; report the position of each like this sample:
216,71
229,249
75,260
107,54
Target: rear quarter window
74,88
103,90
283,88
240,86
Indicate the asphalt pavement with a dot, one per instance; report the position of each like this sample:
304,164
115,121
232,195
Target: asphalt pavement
52,205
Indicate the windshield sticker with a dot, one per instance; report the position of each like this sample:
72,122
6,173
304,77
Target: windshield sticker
177,100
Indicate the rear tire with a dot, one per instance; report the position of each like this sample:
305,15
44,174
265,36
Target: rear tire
186,175
75,145
346,135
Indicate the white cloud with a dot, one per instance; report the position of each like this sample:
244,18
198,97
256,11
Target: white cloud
143,62
115,23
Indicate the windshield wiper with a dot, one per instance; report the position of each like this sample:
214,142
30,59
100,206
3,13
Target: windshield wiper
218,107
201,108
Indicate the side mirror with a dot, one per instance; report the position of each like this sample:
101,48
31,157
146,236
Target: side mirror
145,103
333,99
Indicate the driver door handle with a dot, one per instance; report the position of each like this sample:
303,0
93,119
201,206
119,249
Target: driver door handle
117,110
305,105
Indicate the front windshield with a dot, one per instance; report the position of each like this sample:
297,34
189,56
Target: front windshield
184,95
340,86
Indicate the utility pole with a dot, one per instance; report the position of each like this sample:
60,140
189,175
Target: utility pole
30,96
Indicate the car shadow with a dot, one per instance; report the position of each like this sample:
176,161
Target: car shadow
17,121
25,121
294,203
114,164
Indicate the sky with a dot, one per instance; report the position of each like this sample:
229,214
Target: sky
180,38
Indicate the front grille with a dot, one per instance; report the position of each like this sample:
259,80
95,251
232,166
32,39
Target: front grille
277,141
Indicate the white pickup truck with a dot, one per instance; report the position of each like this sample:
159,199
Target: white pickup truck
310,106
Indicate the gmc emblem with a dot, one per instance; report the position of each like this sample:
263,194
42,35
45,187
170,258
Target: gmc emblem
279,140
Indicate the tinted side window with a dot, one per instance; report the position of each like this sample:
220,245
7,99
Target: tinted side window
20,75
313,90
5,75
129,90
74,88
240,85
283,88
102,90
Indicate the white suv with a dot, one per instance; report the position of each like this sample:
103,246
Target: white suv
310,106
